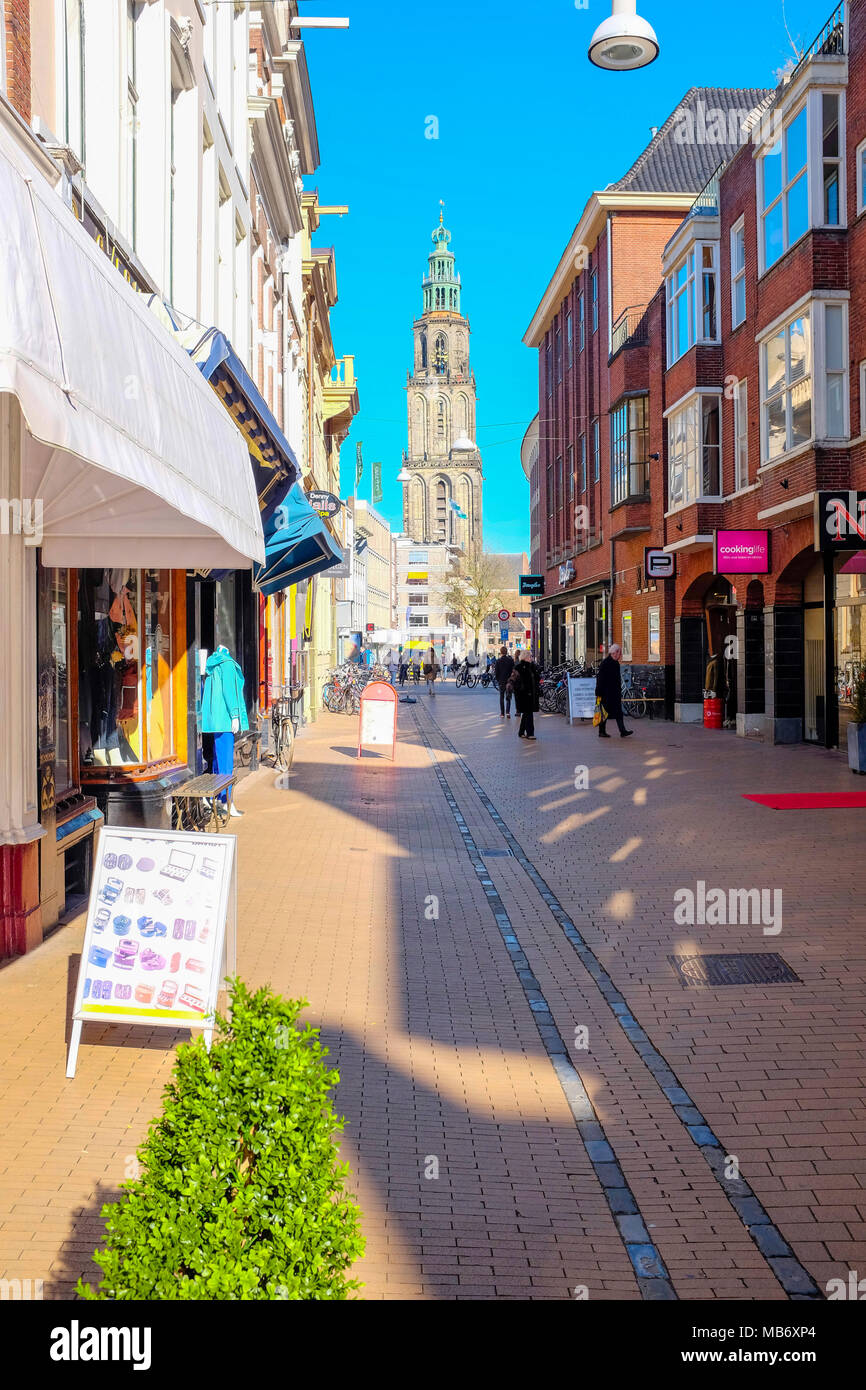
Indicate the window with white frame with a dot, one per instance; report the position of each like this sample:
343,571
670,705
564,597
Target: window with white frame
694,451
786,408
132,14
861,177
581,322
863,397
596,451
801,176
835,371
583,463
692,301
738,273
594,290
741,435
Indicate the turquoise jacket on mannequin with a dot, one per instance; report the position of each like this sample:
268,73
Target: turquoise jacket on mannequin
223,699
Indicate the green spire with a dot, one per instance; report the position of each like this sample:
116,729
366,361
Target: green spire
442,282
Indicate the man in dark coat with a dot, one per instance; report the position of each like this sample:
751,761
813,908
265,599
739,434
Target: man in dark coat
525,683
608,687
501,671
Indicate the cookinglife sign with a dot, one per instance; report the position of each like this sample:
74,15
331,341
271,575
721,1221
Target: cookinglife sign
840,520
741,552
156,945
325,503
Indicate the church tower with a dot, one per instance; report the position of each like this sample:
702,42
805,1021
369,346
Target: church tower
443,495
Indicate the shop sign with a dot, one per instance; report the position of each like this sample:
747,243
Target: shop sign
161,931
531,585
342,569
378,719
566,572
659,564
325,503
741,552
840,520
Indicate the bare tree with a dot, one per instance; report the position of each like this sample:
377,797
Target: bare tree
474,591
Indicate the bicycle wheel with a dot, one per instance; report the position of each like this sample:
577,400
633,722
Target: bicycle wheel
461,679
327,692
336,701
353,702
286,747
471,681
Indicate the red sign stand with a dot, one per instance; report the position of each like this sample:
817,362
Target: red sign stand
378,720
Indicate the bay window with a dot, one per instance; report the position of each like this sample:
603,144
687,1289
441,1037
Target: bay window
692,297
786,365
629,447
800,177
694,451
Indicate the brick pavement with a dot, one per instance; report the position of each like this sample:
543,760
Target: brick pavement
440,1059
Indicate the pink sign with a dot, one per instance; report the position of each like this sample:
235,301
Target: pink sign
742,552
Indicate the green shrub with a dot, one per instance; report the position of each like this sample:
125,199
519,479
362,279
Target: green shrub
241,1195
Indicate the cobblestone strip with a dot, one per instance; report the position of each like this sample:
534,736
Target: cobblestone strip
652,1276
791,1274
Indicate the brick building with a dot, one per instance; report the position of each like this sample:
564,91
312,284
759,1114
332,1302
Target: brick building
598,330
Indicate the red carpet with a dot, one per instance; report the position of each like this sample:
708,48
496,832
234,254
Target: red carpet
809,801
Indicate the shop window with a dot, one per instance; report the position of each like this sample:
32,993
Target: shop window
738,273
694,446
629,445
786,365
125,666
61,637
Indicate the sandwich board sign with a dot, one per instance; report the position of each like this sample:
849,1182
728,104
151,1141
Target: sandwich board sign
581,697
161,932
378,720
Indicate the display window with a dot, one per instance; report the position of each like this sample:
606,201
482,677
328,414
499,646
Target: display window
850,628
125,667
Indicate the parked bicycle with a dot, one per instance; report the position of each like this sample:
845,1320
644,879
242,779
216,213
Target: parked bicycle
284,723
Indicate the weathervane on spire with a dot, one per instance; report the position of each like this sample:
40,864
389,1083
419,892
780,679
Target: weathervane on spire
441,212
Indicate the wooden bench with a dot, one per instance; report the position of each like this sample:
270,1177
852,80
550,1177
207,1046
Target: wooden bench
194,804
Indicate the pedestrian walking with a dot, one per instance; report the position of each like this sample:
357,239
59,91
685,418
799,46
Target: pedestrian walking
525,683
608,689
416,671
431,671
501,672
455,665
403,671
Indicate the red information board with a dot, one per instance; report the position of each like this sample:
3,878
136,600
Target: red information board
378,721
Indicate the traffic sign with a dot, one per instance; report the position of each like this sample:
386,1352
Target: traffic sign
504,615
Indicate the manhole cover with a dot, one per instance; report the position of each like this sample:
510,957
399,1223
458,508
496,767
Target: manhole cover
754,968
496,853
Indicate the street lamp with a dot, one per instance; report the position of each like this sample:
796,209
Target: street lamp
624,41
463,445
404,476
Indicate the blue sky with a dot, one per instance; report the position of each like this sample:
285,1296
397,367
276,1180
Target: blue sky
528,128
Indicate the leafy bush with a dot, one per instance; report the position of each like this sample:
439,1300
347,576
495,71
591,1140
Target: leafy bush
241,1195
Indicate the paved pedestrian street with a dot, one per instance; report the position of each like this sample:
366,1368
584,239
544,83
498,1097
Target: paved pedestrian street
539,1105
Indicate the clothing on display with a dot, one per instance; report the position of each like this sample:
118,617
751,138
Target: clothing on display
223,709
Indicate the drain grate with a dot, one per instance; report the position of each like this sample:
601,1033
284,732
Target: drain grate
714,972
496,853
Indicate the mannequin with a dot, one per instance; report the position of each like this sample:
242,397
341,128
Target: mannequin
223,712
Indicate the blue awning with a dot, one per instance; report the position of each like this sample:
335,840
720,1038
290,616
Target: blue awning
297,545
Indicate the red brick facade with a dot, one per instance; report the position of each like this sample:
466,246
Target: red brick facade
16,17
701,610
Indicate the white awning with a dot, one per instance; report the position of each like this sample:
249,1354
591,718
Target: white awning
131,453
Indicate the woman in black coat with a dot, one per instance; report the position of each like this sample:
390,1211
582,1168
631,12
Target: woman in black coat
608,687
525,681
